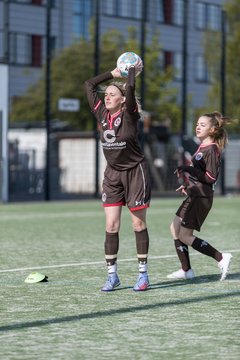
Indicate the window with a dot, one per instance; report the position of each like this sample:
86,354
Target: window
173,59
36,50
167,8
178,13
24,1
137,9
160,11
36,2
201,73
214,17
177,64
109,7
123,8
208,16
201,15
82,11
168,58
1,46
20,49
170,11
25,49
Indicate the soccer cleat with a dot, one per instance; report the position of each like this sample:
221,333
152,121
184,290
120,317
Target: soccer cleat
182,275
224,265
111,283
142,282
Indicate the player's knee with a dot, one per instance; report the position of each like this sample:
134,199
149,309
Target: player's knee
185,238
112,227
139,226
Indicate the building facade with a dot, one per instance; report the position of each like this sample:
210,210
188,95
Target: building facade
23,34
24,30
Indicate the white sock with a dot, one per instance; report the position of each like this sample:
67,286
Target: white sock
112,268
143,267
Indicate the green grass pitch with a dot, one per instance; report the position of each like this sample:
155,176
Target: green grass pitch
70,318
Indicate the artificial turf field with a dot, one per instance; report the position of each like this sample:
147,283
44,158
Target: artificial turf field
68,317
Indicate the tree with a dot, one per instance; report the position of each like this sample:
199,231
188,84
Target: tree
69,69
73,65
212,42
161,97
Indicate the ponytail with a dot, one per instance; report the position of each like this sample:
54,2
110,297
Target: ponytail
219,133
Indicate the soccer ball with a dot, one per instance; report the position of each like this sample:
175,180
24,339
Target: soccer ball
127,59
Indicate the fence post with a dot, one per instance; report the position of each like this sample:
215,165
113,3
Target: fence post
223,86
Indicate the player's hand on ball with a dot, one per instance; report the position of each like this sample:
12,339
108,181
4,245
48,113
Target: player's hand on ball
116,73
127,60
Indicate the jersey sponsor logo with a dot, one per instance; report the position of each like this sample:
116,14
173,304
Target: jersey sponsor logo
204,243
199,156
109,136
182,248
104,123
117,121
104,197
139,203
114,146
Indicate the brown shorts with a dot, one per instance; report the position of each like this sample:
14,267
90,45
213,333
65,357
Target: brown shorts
194,211
129,187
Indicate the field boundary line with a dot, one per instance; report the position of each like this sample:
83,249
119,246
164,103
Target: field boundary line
90,263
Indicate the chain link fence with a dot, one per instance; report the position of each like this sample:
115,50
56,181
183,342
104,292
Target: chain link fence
47,162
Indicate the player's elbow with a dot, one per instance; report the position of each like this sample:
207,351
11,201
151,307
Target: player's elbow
210,179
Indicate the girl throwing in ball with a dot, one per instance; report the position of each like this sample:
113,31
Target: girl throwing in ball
199,187
126,179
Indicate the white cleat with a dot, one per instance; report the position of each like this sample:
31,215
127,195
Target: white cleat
182,275
224,265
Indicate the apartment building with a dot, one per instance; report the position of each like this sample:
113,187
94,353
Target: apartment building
23,34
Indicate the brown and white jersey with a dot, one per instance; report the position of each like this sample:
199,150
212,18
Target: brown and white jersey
204,171
118,133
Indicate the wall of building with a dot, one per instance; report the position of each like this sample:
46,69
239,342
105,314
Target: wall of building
31,20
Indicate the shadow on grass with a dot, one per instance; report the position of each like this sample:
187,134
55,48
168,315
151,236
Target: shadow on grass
196,280
125,310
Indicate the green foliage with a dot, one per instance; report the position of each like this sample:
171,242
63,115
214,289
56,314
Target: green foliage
212,42
73,65
161,98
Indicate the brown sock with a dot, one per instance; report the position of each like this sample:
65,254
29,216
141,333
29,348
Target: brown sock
111,246
183,254
205,248
142,245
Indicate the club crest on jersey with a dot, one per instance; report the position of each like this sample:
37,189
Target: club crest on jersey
104,197
199,156
117,121
109,136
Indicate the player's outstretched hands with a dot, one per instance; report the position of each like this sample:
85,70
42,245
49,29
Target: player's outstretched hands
182,188
116,73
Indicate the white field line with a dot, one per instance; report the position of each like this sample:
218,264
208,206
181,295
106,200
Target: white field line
90,263
73,214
